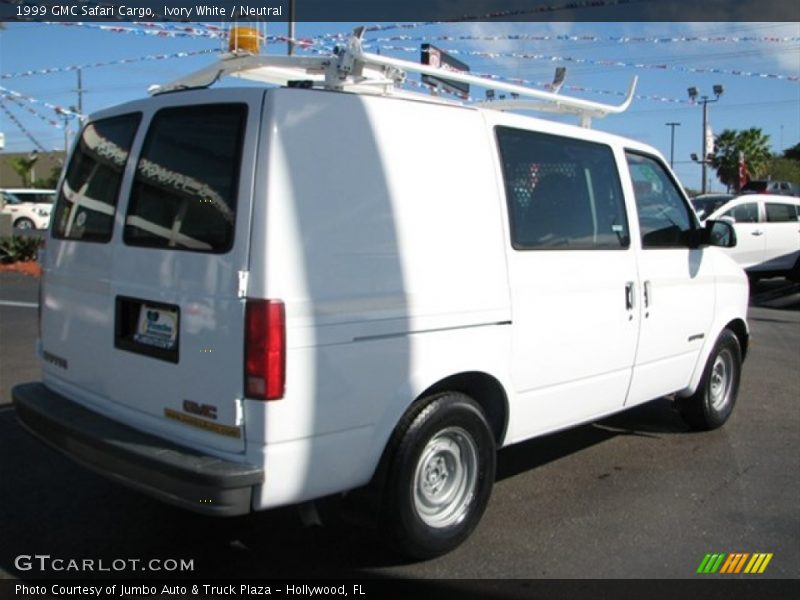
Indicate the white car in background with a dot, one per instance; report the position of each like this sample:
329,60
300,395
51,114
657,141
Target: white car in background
767,232
29,207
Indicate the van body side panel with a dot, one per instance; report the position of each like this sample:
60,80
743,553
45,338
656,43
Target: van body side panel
678,312
308,467
382,232
574,337
732,293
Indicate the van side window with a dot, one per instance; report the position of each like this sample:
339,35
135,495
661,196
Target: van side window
562,193
184,192
744,213
664,217
780,213
87,200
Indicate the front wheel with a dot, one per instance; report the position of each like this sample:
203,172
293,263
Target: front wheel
711,405
24,224
441,475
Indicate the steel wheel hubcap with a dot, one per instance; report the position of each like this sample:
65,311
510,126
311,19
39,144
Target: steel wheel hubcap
721,379
446,477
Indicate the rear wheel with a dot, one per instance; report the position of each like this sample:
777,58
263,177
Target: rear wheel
711,405
440,476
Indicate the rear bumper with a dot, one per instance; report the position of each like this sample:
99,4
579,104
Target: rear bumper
149,464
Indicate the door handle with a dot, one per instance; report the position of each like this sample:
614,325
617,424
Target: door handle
648,294
629,295
757,233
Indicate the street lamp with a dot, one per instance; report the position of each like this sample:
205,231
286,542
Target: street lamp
705,100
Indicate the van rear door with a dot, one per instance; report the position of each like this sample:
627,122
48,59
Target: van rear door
170,352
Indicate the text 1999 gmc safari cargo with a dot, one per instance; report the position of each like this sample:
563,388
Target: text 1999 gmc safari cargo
255,297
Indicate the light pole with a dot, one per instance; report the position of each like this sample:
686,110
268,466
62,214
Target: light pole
672,127
290,41
705,100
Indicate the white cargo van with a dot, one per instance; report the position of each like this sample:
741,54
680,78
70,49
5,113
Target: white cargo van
258,297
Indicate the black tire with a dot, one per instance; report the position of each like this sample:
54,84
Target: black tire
441,473
711,405
794,274
24,223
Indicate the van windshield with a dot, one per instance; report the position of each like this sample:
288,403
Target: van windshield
186,183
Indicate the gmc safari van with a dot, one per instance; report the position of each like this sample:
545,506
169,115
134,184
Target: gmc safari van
255,297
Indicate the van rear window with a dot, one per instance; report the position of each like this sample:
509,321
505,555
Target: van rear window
87,200
184,191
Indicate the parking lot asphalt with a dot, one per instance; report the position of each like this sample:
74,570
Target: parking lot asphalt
633,496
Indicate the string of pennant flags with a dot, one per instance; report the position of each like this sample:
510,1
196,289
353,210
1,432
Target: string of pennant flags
28,108
173,30
152,29
717,39
324,44
21,127
196,30
511,13
603,63
58,109
120,61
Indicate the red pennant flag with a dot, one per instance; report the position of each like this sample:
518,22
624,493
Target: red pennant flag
742,171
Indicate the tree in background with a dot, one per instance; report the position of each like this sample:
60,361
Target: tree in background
728,145
793,153
51,181
24,168
786,167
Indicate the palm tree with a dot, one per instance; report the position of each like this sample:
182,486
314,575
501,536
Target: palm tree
728,145
24,167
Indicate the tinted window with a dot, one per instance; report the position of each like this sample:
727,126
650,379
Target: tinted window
705,206
87,200
744,213
562,193
664,217
9,198
184,193
36,197
780,213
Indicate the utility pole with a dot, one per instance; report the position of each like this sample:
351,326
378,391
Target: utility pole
672,127
80,91
705,100
290,41
704,187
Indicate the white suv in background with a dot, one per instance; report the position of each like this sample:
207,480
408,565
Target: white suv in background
767,232
29,207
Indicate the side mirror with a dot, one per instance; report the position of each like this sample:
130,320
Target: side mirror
728,219
720,233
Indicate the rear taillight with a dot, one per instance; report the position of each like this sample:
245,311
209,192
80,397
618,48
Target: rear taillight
265,349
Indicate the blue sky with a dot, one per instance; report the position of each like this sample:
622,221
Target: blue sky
770,104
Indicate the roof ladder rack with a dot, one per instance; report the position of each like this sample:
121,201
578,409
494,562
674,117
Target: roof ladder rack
352,69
